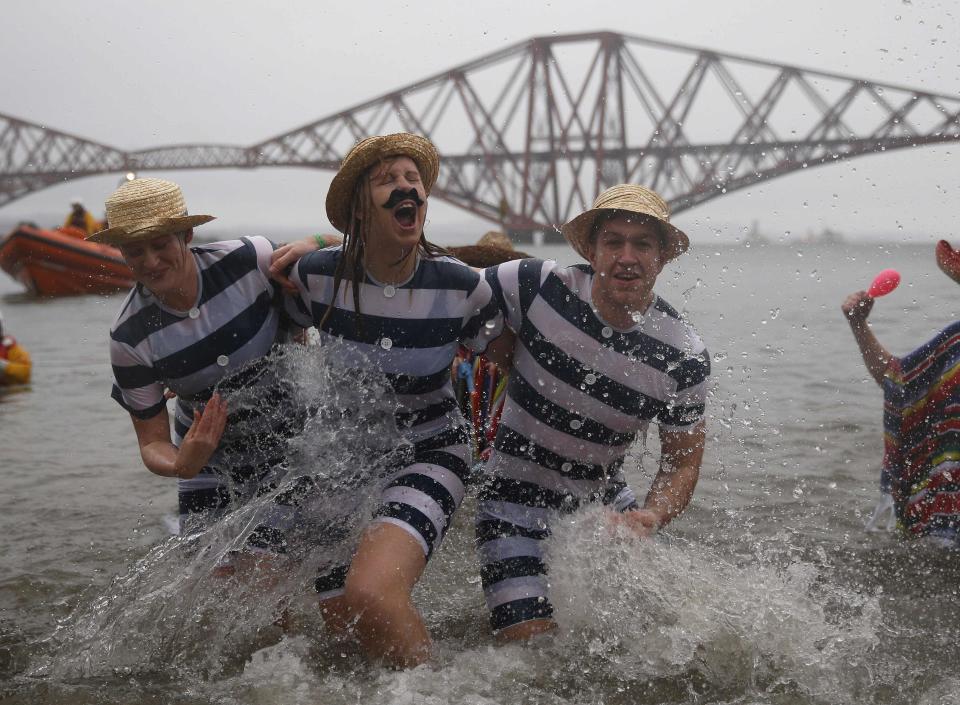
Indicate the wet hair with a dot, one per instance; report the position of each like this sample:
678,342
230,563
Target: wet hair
606,216
350,266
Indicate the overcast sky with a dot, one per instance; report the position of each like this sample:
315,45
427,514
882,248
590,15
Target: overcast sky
146,73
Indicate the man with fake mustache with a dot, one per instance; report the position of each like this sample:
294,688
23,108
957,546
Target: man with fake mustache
921,418
399,305
598,356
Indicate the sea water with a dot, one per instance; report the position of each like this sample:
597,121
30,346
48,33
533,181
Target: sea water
768,589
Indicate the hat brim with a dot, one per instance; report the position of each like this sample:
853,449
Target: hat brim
367,153
577,232
147,231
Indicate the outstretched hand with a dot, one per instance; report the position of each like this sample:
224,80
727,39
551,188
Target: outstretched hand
856,307
202,439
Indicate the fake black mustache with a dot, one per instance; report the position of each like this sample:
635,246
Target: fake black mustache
399,196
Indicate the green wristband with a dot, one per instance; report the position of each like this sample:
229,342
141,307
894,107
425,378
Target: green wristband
321,241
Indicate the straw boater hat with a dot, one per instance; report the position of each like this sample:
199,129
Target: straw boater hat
368,152
495,238
628,198
491,249
142,209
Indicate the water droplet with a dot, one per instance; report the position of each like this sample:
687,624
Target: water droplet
194,312
575,424
567,467
386,343
606,331
223,361
490,324
590,378
389,291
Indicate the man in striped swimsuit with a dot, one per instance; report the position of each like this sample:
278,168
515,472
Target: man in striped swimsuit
597,357
196,316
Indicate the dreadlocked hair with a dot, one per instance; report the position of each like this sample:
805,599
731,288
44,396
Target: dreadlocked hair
350,265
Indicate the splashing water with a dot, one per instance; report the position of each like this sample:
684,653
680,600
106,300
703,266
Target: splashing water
179,608
639,622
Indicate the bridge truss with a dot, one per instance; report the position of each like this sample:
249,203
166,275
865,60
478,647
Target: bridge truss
530,134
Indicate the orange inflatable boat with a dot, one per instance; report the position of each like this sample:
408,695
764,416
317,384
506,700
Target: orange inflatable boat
61,263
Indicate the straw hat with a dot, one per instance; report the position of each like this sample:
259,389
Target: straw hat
142,209
483,256
632,199
495,238
368,152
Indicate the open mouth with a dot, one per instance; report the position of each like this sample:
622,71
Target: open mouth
626,276
406,214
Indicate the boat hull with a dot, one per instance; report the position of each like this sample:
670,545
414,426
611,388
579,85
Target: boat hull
62,263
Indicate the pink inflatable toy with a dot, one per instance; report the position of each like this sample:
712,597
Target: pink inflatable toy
884,283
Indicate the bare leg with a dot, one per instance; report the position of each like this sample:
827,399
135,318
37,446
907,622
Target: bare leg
526,630
387,565
336,615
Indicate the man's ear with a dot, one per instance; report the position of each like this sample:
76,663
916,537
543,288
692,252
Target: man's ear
188,237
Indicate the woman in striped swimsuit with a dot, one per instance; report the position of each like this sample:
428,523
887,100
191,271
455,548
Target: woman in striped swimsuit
396,302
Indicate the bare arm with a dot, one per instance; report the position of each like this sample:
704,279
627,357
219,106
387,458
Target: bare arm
163,458
856,307
285,256
500,350
681,453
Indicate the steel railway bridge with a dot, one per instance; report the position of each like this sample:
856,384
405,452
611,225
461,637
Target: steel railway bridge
530,134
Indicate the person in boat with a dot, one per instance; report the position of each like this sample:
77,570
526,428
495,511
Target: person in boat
921,418
598,356
194,318
398,303
15,365
81,219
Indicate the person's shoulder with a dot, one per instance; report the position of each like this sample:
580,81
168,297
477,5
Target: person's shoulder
321,261
220,246
136,304
444,271
677,326
528,266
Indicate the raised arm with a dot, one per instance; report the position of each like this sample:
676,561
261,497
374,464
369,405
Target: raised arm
856,307
163,458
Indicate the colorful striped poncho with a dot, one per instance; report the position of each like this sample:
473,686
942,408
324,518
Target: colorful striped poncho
921,419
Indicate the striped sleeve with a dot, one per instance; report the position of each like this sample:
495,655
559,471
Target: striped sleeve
513,285
137,387
483,320
264,252
687,405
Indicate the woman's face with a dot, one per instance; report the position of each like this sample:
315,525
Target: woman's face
399,207
160,264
